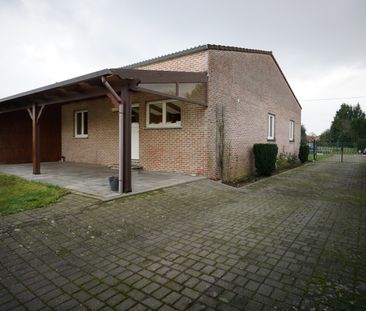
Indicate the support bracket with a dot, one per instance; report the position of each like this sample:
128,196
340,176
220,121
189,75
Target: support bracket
111,93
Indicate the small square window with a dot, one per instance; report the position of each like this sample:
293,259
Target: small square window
271,127
291,130
81,124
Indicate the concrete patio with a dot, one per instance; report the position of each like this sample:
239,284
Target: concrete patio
93,179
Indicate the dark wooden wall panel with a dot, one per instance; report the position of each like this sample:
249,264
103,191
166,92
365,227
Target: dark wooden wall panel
16,136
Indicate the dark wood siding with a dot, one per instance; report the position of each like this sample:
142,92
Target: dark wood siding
16,136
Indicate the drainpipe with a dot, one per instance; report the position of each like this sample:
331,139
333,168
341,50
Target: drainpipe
116,100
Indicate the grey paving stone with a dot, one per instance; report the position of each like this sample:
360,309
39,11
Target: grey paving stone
161,292
116,299
125,305
171,298
291,241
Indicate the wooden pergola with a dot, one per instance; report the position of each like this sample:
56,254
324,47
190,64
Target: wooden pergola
117,85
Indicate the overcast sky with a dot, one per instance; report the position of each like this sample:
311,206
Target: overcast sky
320,45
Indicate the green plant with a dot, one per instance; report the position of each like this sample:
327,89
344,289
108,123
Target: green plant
265,156
304,153
17,194
292,159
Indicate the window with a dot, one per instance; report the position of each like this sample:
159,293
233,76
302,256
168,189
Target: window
271,127
196,91
291,130
163,114
81,124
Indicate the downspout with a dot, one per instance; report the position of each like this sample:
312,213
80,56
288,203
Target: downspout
116,100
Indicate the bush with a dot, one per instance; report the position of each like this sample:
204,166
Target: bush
304,153
361,144
265,156
292,160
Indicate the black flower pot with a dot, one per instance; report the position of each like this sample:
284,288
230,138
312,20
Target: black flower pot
113,182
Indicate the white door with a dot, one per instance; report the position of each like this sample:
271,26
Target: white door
135,138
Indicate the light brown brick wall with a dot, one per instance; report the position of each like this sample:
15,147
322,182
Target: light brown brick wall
177,150
101,146
249,86
171,150
174,150
194,62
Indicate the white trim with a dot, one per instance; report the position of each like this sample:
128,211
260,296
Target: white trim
291,131
271,126
164,124
82,135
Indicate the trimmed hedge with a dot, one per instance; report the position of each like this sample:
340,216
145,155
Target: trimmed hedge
304,153
265,156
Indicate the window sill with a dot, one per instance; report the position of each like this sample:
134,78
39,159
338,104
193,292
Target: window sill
271,139
291,141
163,127
80,137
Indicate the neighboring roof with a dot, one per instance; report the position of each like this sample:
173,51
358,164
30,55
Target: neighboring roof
195,50
206,47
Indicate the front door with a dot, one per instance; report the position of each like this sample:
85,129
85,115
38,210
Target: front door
135,141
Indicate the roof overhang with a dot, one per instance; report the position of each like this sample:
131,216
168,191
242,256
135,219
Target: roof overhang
91,86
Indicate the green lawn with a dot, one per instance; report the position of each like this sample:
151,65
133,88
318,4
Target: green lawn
18,194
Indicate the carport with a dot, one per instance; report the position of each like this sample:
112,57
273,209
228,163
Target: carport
117,85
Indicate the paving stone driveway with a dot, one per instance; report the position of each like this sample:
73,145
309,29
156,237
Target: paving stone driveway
294,241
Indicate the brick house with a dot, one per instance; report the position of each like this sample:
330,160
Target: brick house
198,111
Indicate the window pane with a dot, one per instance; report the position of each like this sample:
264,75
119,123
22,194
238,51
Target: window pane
173,113
269,126
135,115
195,91
156,113
78,123
167,88
85,113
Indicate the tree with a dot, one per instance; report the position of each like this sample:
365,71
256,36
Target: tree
303,135
349,124
325,137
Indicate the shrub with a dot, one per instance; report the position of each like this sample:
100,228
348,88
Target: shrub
265,156
304,153
292,160
361,144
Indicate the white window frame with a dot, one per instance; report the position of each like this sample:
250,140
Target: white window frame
271,127
82,135
164,124
291,133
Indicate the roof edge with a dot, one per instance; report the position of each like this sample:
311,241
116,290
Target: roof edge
193,50
284,77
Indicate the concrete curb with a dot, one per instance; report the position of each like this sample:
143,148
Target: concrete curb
121,196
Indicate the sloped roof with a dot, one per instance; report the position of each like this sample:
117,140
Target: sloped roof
195,50
90,86
206,47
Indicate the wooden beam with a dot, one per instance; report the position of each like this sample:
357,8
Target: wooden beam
184,99
159,76
40,113
35,142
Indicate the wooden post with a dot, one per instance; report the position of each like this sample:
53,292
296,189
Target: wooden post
126,102
35,141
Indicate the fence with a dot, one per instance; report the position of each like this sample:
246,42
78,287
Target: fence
337,152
